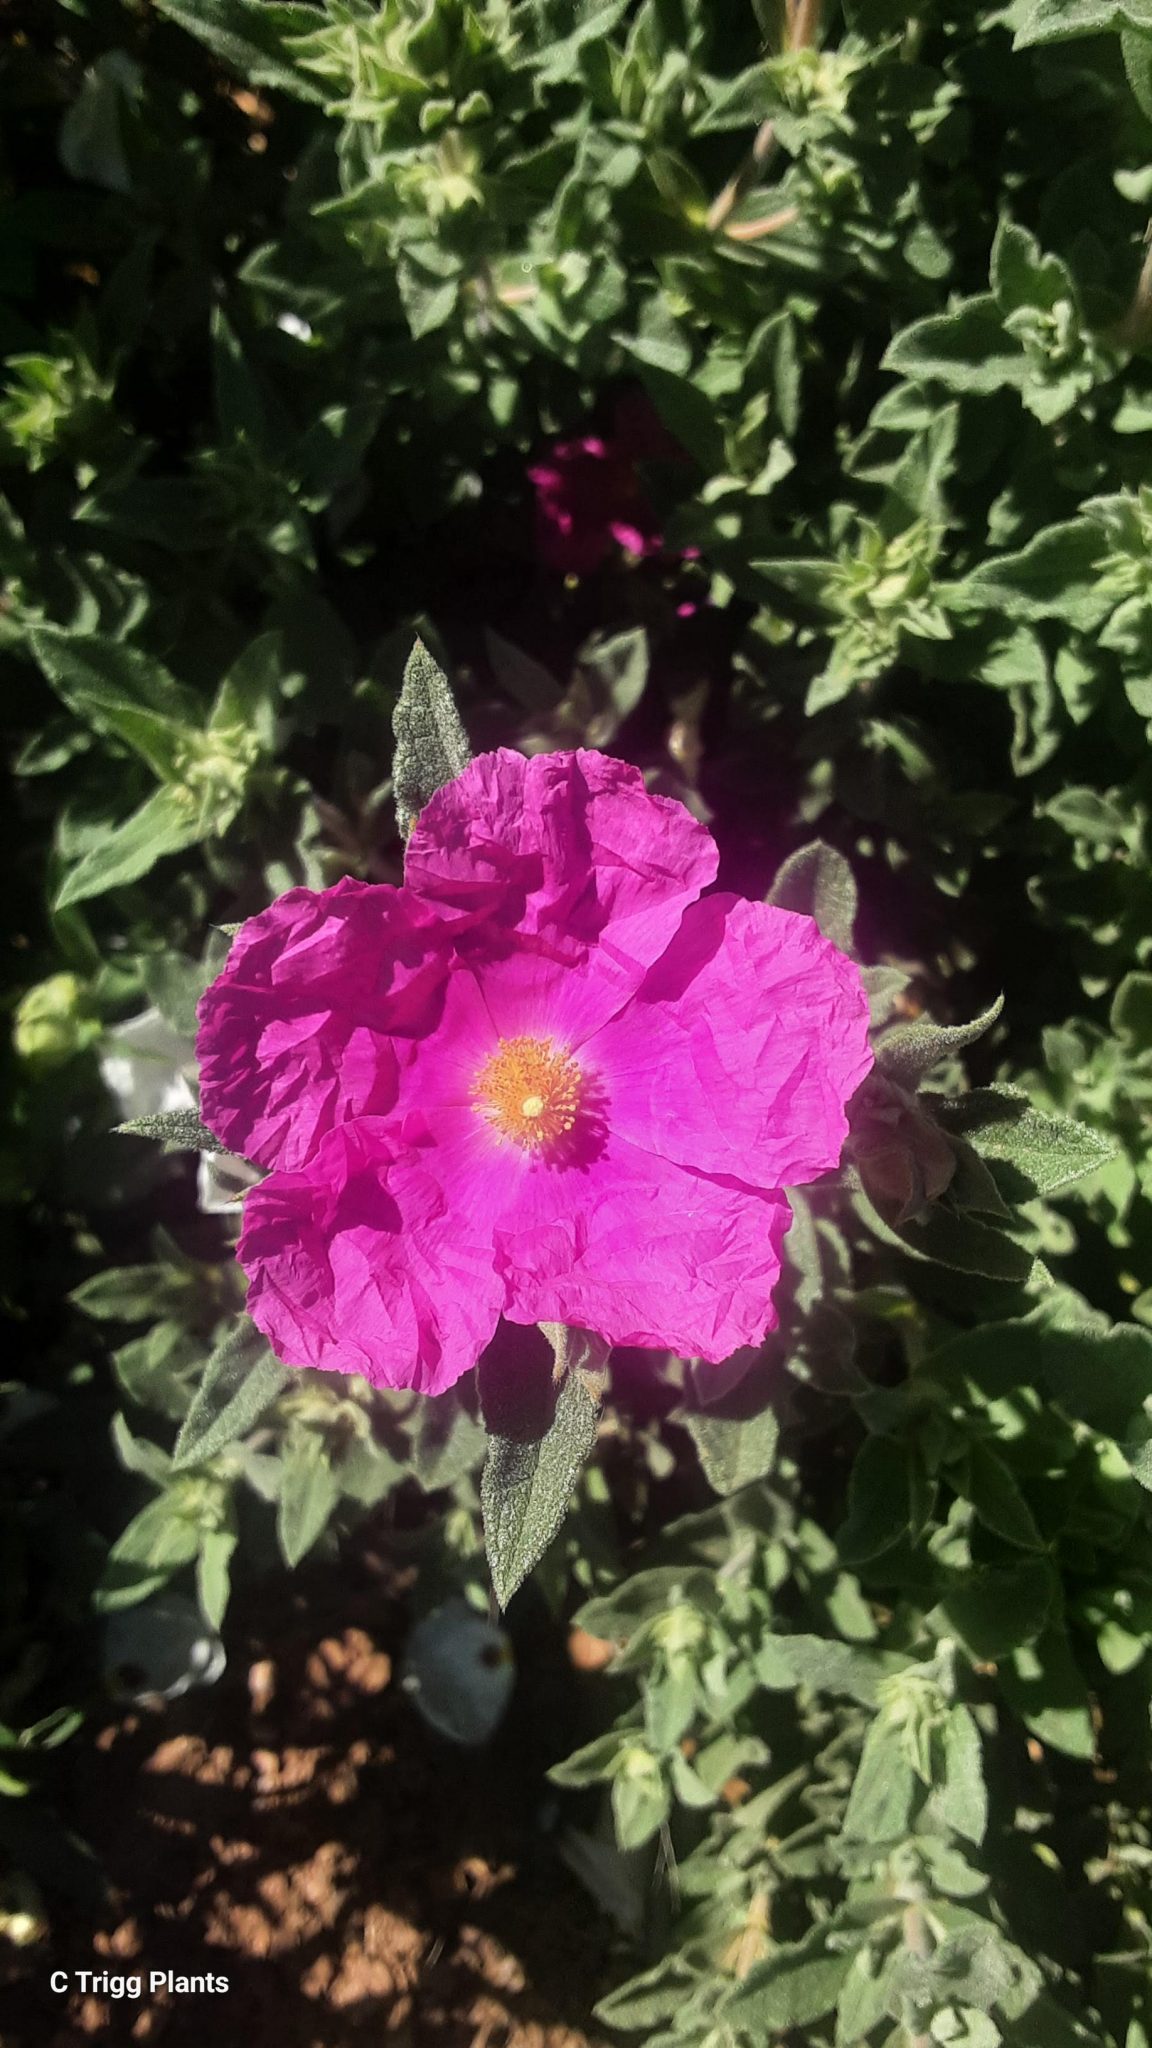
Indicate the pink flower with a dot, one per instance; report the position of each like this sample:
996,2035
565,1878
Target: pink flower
546,1079
589,497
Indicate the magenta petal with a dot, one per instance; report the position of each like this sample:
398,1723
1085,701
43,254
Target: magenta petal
637,540
742,1047
645,1253
360,1264
298,1032
572,850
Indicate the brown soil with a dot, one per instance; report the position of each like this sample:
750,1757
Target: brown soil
300,1831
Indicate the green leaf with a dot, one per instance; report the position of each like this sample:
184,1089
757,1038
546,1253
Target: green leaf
177,1130
962,1244
156,1371
1022,275
1137,1448
1048,2024
1054,577
447,1443
119,690
133,1294
138,1454
166,823
997,1611
976,1966
883,985
308,1493
641,1803
783,1662
1042,1681
616,1616
618,666
670,1699
966,350
593,1763
963,1800
883,1791
728,1755
1087,814
946,1238
431,745
252,38
864,1997
175,985
157,1543
159,1539
917,487
241,1379
558,62
879,1511
213,1576
1136,50
526,680
1058,21
250,692
1044,1152
526,1486
241,411
793,1988
986,1481
734,1451
817,881
685,409
91,142
1131,1016
1099,1374
428,279
646,2000
910,1051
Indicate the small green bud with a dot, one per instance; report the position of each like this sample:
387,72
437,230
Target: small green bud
680,1632
637,1761
54,1021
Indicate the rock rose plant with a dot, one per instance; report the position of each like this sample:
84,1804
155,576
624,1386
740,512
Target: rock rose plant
550,1078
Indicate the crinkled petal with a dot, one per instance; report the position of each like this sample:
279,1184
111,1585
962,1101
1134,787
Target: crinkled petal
644,1252
610,1238
503,996
299,1032
568,850
361,1263
741,1048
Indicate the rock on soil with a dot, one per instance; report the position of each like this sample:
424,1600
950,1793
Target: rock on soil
300,1831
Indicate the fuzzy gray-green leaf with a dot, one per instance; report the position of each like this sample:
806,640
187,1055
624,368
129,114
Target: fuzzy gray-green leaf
526,1486
818,881
177,1130
431,744
240,1381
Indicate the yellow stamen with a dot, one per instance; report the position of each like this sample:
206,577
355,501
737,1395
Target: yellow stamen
530,1091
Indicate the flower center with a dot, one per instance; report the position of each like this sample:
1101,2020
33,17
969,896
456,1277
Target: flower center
530,1091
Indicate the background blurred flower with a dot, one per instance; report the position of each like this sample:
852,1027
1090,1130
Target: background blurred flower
590,497
146,1067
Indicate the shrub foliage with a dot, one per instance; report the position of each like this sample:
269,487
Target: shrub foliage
291,298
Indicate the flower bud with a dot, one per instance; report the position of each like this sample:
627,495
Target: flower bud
54,1021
